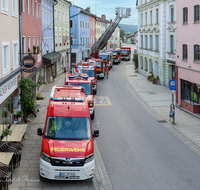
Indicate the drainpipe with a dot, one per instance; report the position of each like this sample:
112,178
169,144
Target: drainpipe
55,3
20,35
70,51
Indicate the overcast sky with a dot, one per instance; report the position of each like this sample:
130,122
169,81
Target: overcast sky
107,7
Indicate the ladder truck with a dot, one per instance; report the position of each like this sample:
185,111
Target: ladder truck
102,41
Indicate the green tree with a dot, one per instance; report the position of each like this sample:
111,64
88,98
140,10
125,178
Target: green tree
27,96
122,32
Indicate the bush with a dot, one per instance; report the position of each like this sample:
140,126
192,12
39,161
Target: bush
148,78
153,81
4,114
20,114
135,59
6,132
27,96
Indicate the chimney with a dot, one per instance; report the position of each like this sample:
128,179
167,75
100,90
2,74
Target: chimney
103,17
87,9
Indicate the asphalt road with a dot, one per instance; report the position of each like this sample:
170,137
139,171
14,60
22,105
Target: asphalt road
139,153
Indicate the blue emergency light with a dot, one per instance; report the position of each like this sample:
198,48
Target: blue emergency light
70,71
91,67
71,77
85,77
78,67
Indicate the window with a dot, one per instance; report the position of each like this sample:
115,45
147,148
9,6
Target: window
185,15
146,41
59,16
185,52
190,92
83,24
15,54
172,43
37,41
197,53
5,57
141,41
141,20
39,11
146,18
146,64
32,3
29,42
43,16
157,16
52,43
157,43
197,13
67,18
151,16
60,39
46,18
55,14
14,8
63,17
71,24
172,14
22,5
28,10
24,46
56,39
36,7
49,43
141,60
88,25
4,6
33,40
49,19
151,42
81,40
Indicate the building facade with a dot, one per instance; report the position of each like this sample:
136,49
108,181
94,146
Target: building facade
156,38
92,30
62,36
97,28
49,57
80,33
32,36
10,71
188,55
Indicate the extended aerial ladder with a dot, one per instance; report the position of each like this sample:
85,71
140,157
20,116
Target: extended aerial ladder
101,43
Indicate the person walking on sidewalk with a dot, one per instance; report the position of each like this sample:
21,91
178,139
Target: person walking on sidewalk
107,70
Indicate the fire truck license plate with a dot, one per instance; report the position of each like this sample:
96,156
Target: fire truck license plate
67,174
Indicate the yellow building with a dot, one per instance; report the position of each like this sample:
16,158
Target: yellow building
98,28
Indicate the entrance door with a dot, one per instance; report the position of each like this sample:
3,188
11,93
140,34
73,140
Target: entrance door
156,69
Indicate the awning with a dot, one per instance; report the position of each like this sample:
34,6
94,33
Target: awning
50,58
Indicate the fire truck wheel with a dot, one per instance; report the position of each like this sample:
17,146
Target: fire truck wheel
92,116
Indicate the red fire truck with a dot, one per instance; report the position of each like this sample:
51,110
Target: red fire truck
67,151
90,68
81,79
126,53
116,55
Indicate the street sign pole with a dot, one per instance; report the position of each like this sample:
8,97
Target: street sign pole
172,87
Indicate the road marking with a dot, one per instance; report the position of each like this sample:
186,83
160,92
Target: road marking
102,101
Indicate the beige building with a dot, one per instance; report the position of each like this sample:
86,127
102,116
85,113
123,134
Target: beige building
10,71
98,28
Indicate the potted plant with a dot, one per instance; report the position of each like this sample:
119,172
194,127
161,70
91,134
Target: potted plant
64,43
60,44
6,132
34,50
56,44
155,80
29,52
20,114
38,49
150,77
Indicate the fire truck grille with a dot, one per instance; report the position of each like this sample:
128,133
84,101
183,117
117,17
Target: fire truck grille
71,162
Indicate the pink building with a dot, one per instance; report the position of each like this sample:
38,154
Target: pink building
188,55
32,34
92,30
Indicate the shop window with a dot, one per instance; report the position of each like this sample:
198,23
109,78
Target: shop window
190,92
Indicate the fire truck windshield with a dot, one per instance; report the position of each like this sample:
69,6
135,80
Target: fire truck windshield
98,64
104,57
68,128
87,87
114,52
124,51
90,73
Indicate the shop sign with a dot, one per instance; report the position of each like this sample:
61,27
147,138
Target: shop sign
28,61
30,70
8,87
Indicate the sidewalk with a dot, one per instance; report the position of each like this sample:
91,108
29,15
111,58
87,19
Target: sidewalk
158,98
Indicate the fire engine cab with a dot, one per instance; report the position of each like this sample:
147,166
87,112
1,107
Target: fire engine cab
107,59
67,151
81,79
126,53
90,68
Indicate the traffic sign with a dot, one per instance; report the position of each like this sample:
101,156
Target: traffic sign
172,84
